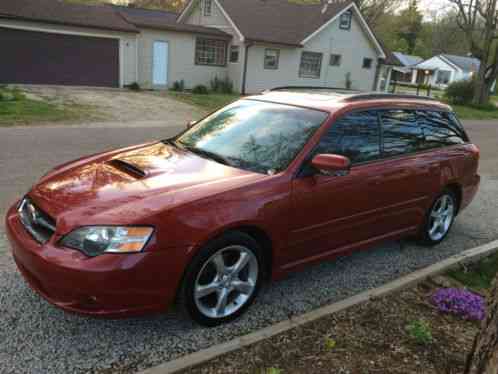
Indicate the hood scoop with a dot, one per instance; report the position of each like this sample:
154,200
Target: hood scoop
128,168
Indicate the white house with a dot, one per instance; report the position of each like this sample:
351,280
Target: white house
406,72
444,69
254,43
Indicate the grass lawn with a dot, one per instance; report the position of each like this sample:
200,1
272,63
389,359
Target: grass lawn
479,276
17,109
473,112
208,102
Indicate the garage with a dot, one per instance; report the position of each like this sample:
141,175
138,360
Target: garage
33,57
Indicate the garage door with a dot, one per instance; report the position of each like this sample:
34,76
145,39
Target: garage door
30,57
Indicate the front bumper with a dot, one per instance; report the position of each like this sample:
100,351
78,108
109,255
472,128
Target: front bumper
111,285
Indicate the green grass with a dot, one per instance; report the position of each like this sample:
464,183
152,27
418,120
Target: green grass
479,276
209,102
17,109
489,111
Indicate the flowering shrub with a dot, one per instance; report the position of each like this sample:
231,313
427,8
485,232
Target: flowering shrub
460,302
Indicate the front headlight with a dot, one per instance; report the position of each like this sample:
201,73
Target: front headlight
96,240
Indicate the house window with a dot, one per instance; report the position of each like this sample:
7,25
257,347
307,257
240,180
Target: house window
207,7
335,60
210,52
311,65
234,53
271,59
367,63
345,20
443,77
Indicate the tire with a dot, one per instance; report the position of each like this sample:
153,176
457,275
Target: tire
222,281
438,224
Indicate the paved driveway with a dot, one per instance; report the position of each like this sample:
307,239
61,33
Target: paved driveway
35,337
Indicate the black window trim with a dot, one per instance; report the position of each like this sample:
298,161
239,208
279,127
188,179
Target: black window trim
349,14
300,173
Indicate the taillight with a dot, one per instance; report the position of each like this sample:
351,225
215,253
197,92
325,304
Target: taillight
475,150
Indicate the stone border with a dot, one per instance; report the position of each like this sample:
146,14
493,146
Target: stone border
200,357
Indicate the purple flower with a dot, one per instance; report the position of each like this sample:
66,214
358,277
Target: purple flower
460,302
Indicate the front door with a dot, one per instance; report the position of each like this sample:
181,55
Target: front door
331,212
160,64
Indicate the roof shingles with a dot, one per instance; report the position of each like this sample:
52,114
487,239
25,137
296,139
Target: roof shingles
57,12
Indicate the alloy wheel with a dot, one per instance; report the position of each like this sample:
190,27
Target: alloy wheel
226,282
441,217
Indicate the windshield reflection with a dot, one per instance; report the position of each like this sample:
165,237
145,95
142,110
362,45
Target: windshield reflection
254,135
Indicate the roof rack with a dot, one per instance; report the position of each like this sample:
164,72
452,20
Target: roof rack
282,88
377,96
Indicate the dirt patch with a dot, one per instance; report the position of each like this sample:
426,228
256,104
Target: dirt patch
113,105
369,338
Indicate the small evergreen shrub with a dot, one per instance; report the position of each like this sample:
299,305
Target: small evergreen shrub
134,86
200,90
224,86
460,92
349,82
179,86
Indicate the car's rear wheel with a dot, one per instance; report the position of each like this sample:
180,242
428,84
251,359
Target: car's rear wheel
223,280
439,218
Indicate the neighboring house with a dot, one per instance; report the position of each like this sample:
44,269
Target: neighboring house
444,69
256,44
406,72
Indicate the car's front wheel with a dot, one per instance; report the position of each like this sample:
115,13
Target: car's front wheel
439,218
223,280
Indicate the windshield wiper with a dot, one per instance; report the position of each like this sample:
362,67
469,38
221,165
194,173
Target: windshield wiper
170,142
207,154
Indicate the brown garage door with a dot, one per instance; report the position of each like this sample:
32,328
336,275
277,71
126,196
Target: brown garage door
31,57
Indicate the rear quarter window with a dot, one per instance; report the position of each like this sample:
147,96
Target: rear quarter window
440,129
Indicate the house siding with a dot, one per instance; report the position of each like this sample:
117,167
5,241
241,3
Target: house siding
330,40
218,20
436,63
181,60
128,62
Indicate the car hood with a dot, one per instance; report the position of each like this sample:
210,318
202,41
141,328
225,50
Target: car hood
97,186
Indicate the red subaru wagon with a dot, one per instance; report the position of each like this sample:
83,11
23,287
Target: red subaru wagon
262,187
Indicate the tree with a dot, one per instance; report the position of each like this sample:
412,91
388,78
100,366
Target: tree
410,25
478,20
483,358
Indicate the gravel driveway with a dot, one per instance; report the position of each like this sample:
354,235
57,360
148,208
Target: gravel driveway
120,107
37,338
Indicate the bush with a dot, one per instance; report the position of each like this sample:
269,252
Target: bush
462,303
179,86
224,85
420,331
460,92
200,90
134,86
349,82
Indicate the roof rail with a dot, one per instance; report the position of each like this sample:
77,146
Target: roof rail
377,96
310,88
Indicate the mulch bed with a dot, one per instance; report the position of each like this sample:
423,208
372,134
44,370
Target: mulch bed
368,338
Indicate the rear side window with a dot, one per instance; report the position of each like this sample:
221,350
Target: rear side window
355,136
440,129
401,132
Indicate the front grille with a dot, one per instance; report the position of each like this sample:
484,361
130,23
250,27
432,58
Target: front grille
36,222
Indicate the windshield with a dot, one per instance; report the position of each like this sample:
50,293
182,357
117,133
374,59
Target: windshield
253,135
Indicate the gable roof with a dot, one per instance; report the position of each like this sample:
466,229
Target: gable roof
407,60
279,21
57,12
464,63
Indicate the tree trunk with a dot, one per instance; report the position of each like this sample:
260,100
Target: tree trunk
484,356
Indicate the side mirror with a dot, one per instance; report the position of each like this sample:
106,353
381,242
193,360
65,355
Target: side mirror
191,124
331,164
